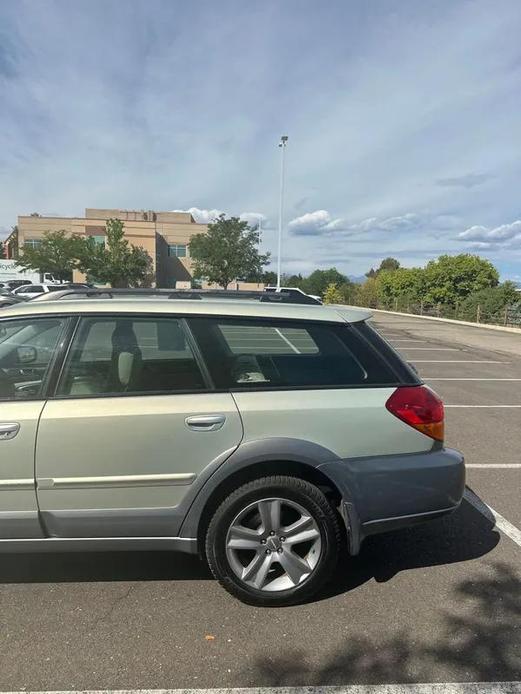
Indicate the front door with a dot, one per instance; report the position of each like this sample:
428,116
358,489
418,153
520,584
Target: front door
27,346
132,425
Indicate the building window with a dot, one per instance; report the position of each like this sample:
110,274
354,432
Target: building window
178,250
98,240
32,243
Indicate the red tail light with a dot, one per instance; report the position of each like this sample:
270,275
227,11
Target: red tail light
420,407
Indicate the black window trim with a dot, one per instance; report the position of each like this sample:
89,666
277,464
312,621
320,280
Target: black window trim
208,385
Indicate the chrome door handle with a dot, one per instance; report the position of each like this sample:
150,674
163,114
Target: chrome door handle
9,430
205,422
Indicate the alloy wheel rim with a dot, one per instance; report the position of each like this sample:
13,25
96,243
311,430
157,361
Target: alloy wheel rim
273,544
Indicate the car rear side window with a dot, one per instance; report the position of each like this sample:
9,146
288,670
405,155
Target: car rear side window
253,353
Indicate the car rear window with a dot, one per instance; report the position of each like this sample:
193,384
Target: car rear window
404,371
252,353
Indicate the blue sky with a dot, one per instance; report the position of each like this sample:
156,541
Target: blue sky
404,119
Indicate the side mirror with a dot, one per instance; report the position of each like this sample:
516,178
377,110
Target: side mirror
26,354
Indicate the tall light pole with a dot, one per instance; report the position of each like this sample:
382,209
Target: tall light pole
282,145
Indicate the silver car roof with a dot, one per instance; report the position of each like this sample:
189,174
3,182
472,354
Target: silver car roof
189,307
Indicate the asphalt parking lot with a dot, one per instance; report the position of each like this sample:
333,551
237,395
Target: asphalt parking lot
437,603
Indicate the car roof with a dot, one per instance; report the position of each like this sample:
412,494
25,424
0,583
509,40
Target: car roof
242,309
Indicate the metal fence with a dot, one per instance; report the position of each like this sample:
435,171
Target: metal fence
508,316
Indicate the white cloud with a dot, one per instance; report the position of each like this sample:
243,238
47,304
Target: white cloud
254,219
398,223
202,216
321,222
504,235
313,223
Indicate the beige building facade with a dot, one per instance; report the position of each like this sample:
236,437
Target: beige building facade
164,235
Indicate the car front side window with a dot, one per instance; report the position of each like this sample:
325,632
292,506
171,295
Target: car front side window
26,350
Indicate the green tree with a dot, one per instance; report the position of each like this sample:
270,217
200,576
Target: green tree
492,302
227,251
348,292
294,281
319,280
404,284
269,278
57,253
386,264
116,262
451,278
333,295
367,293
389,264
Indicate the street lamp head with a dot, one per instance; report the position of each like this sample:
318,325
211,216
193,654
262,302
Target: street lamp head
283,141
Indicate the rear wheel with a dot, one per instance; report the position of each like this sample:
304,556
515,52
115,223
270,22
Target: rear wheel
274,541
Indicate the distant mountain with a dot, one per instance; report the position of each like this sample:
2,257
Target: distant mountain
357,279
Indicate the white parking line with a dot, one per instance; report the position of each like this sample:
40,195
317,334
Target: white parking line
487,407
434,688
501,523
433,349
458,361
290,344
435,378
516,466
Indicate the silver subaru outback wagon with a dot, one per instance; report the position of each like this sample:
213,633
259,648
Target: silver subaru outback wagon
264,436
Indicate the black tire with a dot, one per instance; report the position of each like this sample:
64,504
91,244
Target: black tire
295,490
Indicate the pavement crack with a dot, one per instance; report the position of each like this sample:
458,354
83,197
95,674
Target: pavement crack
113,605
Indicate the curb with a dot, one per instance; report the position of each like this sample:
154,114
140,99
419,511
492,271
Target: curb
501,328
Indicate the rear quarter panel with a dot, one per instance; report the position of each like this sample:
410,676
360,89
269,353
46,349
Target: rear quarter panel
350,422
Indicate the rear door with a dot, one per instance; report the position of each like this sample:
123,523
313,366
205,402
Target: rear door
133,423
27,349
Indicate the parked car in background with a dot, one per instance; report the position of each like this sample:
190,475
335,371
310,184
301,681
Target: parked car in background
57,291
31,291
11,272
294,291
9,299
14,284
265,435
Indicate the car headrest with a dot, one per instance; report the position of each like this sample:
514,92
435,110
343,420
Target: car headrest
125,364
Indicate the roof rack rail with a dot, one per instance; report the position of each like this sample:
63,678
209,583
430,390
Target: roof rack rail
285,296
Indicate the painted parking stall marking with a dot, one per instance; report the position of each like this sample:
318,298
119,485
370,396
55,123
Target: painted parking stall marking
499,521
486,407
431,349
458,361
435,688
487,466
